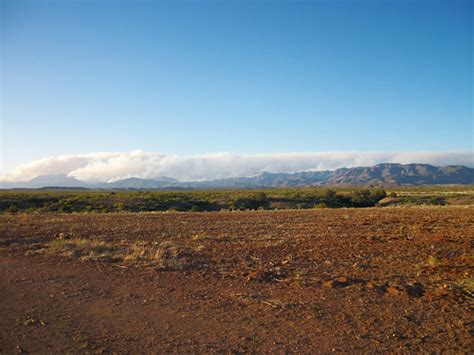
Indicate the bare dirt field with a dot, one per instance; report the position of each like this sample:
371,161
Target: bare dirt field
328,280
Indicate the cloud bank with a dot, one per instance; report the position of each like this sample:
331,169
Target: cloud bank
108,167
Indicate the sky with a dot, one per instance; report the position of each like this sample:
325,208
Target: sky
235,78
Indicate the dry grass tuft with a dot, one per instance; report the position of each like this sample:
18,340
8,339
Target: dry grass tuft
432,261
167,255
86,249
171,256
465,287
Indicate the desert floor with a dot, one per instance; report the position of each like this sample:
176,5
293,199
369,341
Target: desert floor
367,280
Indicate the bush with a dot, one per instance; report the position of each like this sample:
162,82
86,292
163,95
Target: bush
13,209
249,203
329,193
437,200
321,205
367,198
119,206
377,195
260,197
195,208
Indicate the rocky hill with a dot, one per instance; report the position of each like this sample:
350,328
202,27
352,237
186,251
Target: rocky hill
378,175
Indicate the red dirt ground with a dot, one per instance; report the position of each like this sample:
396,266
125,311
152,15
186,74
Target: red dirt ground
345,280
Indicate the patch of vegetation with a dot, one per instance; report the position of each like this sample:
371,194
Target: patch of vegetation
321,205
252,201
167,255
465,287
89,201
86,249
432,261
12,209
170,256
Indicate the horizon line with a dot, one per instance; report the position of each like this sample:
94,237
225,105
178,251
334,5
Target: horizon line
100,167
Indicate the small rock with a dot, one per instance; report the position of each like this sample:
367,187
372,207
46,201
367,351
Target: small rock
63,235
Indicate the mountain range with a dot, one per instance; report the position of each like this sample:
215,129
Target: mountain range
387,174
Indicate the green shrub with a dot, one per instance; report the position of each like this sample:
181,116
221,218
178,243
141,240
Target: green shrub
367,198
13,209
321,205
260,197
244,204
119,206
329,193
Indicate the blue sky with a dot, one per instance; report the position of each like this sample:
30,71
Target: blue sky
193,77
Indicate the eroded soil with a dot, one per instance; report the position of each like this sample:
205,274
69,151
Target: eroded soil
367,280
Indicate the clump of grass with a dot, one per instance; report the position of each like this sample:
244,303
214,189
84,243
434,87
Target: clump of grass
202,237
13,209
200,248
171,256
167,255
139,251
321,205
86,249
465,287
432,261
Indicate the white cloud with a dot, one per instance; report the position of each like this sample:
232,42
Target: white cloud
106,167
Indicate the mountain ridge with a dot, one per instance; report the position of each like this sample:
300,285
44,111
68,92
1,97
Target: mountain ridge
385,174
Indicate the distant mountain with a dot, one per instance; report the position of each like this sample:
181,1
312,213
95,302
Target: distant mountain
45,181
377,175
398,174
267,179
136,183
